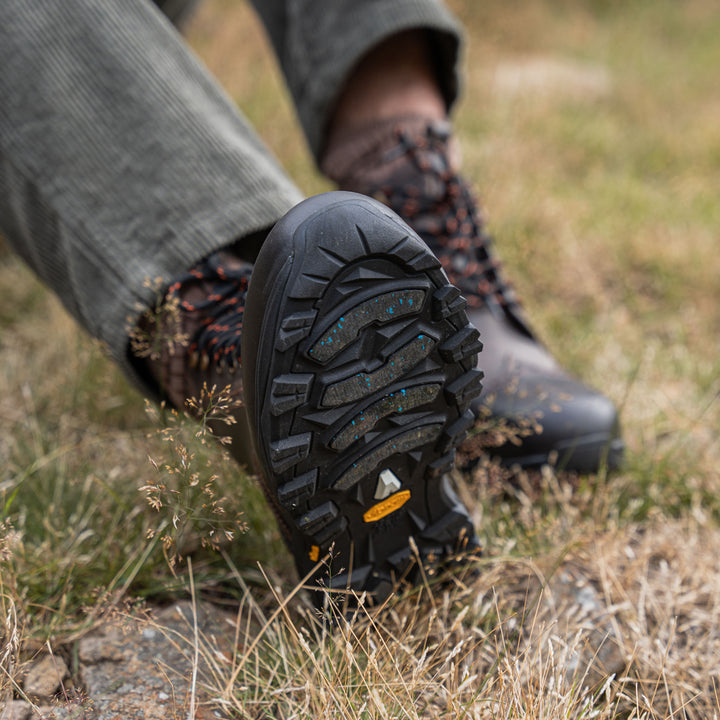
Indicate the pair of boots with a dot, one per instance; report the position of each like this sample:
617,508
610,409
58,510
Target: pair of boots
353,343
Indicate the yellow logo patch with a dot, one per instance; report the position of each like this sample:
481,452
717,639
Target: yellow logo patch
387,506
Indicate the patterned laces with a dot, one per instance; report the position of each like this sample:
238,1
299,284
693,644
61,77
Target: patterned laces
221,310
442,209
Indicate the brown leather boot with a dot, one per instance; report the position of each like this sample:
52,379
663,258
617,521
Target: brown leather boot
536,409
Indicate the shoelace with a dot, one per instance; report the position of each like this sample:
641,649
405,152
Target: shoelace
218,340
449,223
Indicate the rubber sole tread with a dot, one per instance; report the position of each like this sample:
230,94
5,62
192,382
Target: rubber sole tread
365,369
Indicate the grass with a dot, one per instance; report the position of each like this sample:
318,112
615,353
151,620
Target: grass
603,199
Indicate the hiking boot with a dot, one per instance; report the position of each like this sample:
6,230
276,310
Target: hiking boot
530,411
359,367
359,370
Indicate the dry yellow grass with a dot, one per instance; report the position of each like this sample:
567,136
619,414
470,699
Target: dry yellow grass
623,626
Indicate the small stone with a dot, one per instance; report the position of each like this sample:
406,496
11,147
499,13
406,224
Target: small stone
16,710
45,676
163,696
94,649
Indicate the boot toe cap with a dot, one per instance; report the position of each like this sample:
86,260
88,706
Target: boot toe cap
553,419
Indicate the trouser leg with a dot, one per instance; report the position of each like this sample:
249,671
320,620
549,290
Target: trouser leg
120,158
318,42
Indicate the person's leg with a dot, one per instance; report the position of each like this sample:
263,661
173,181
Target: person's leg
122,162
380,128
120,158
319,44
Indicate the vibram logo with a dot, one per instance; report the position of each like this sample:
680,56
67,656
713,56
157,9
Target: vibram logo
314,553
387,506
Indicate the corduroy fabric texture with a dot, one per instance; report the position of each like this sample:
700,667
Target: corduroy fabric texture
122,161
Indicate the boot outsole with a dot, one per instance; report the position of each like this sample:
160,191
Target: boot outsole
363,378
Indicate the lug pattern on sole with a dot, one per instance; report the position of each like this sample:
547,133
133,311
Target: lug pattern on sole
378,310
369,374
362,384
393,403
